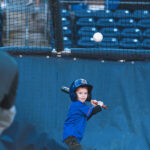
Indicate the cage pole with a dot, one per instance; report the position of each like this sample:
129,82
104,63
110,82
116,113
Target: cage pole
57,24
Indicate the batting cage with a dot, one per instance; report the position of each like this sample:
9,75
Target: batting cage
53,43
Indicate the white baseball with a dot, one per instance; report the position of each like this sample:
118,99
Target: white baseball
97,37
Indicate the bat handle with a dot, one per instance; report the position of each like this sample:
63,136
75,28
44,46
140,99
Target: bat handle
104,106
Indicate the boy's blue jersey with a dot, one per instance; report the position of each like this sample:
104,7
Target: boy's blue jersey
76,120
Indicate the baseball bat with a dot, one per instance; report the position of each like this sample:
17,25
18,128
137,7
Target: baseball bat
65,89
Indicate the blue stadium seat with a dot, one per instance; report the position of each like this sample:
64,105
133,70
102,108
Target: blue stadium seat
144,23
84,13
67,42
130,43
146,33
66,31
126,23
110,32
122,13
86,42
87,31
109,42
85,22
92,14
105,22
65,21
146,44
141,14
131,32
103,14
65,13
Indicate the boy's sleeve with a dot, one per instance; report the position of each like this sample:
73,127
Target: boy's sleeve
86,110
95,110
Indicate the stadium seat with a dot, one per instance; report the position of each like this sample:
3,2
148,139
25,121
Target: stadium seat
84,13
91,13
141,14
67,42
86,42
144,23
87,31
130,43
85,22
65,21
131,32
146,44
66,31
105,22
109,42
126,23
146,33
103,14
110,32
65,13
122,13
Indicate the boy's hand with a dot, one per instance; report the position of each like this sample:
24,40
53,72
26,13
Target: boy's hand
100,103
94,102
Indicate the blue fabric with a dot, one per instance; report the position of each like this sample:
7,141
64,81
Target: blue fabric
123,87
76,120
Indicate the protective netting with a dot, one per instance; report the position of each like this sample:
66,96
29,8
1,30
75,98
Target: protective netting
25,23
122,85
124,24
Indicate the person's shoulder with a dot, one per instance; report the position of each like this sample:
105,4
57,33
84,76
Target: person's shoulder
76,103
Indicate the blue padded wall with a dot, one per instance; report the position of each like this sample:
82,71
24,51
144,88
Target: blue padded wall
124,87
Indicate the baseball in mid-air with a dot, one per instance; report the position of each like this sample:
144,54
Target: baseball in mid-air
97,37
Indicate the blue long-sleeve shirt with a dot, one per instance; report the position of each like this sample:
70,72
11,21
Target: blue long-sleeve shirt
76,120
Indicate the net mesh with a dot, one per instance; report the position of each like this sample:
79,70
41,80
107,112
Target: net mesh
25,23
123,24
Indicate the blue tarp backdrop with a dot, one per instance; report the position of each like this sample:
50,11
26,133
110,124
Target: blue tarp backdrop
123,87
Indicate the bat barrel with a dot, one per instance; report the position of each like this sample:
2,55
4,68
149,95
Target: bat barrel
65,89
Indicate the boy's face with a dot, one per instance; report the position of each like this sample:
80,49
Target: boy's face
82,94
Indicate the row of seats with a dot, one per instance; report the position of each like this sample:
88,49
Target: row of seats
123,32
109,42
137,14
120,29
110,22
114,32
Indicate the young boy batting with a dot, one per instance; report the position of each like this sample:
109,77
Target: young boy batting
79,113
